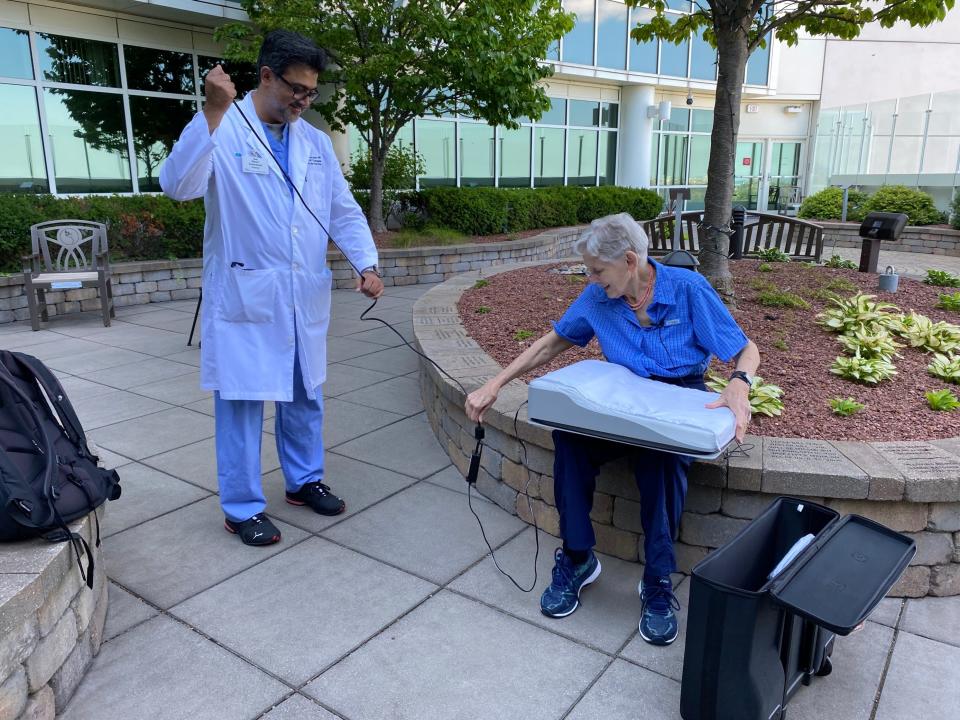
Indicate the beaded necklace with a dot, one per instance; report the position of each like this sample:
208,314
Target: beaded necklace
646,293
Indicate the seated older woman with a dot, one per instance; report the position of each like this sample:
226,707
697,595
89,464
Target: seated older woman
661,322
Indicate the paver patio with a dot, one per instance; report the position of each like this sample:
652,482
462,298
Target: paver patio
394,609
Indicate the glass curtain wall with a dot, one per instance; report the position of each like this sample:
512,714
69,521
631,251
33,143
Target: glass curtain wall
90,116
680,154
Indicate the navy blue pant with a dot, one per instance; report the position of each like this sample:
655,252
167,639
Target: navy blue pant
661,478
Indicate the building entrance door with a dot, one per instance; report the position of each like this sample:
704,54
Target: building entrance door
783,177
748,174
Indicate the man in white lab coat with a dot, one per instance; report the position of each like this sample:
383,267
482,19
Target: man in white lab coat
266,284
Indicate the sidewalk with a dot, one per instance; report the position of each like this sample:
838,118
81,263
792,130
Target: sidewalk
394,609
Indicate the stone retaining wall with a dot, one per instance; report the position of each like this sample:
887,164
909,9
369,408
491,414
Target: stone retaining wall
915,239
138,283
51,623
912,487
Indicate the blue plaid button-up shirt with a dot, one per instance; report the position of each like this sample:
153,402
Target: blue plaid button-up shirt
689,324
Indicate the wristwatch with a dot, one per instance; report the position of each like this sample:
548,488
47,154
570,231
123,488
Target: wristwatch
741,375
373,269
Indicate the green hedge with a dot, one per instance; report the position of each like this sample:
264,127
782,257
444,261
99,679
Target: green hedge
487,211
955,210
828,205
916,204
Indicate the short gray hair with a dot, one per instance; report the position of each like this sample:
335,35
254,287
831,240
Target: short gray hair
609,238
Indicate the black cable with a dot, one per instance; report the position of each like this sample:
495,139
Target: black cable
478,431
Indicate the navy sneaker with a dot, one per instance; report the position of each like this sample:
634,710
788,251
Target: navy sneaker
318,497
658,619
257,530
563,595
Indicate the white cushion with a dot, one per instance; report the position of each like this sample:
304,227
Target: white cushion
603,399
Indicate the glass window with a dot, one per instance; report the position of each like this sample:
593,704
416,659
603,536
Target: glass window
556,115
78,61
513,150
679,120
612,34
672,160
654,155
553,52
785,159
945,118
435,144
906,154
548,156
158,70
643,56
879,152
476,154
699,159
757,66
157,123
941,154
23,168
696,199
608,158
681,5
89,141
702,121
578,43
244,75
912,115
609,115
15,54
703,60
582,157
584,112
673,58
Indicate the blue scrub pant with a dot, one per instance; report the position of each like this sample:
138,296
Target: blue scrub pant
661,478
299,432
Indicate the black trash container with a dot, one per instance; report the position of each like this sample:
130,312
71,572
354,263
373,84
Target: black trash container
752,640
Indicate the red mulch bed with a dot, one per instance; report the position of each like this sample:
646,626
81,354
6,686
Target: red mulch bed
387,240
528,299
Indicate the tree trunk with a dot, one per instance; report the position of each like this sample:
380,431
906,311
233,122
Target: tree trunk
732,62
375,218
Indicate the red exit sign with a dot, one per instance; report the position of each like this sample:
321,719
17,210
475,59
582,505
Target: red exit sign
747,161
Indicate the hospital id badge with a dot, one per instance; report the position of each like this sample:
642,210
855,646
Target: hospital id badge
254,162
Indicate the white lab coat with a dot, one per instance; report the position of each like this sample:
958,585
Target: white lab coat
264,256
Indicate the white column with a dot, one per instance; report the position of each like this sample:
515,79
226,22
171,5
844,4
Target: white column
636,139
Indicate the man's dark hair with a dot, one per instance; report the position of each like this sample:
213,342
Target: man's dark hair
283,48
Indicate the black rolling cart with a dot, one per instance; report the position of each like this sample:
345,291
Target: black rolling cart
752,639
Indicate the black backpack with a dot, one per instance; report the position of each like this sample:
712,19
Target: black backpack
48,476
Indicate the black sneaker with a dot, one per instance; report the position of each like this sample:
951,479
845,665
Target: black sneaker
257,530
318,497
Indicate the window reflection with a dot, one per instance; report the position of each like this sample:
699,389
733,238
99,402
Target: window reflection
584,113
582,157
88,140
643,56
513,154
157,123
578,43
548,156
673,58
556,115
476,154
15,54
22,169
612,34
435,143
703,60
158,70
244,75
78,61
608,158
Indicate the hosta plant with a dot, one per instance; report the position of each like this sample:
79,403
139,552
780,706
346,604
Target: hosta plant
863,370
941,278
857,311
869,343
845,407
945,367
921,332
765,398
838,261
949,302
773,255
942,400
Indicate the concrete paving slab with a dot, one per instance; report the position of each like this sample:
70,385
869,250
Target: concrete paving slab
154,434
347,324
627,692
48,349
921,681
426,530
343,348
108,459
124,611
302,610
131,376
162,670
933,618
113,406
197,463
887,612
343,421
358,484
408,446
79,389
609,609
849,691
147,493
180,390
452,479
453,657
343,378
298,707
395,361
188,356
663,660
386,336
95,360
184,552
399,395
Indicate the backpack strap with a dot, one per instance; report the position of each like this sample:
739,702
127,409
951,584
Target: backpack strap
54,391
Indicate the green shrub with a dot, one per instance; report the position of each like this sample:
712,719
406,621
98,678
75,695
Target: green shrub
765,398
838,261
845,407
773,255
864,370
828,205
945,367
765,267
943,400
779,298
916,204
955,211
949,302
942,278
399,173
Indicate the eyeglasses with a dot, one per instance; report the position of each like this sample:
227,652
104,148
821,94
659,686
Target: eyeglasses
299,91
